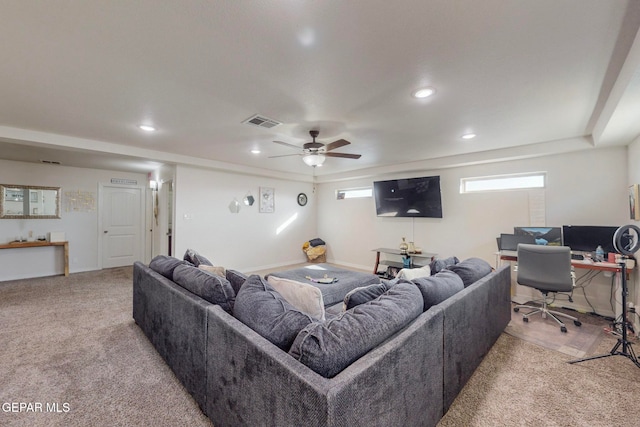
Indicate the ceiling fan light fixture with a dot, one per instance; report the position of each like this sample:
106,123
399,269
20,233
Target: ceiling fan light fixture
314,159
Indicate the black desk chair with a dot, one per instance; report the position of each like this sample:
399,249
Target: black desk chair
547,269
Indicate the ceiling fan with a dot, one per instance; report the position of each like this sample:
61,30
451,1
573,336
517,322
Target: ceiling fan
314,153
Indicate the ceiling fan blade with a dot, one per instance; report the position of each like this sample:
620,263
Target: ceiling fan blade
336,144
344,155
284,155
288,145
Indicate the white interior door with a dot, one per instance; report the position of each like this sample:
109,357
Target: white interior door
122,220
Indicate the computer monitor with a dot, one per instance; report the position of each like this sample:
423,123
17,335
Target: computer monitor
509,242
543,235
586,238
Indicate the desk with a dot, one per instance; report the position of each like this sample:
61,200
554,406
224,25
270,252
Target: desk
399,264
576,263
21,245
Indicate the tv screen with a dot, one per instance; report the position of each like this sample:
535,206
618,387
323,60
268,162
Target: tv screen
410,197
587,237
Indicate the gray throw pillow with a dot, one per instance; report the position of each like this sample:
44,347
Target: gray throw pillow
471,270
236,279
440,264
365,294
165,265
327,348
435,289
195,258
265,311
208,286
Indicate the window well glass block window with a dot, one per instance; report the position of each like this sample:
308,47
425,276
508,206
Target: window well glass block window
354,193
523,181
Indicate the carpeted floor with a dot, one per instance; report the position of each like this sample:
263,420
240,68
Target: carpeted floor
70,343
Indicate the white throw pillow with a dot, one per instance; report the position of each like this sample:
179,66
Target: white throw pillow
304,297
219,271
414,273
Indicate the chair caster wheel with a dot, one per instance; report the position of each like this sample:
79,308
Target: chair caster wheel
577,323
525,319
563,329
516,309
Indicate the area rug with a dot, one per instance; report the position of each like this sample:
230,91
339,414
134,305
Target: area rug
578,341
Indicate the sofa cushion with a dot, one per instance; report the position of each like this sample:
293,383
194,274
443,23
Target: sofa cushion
195,258
327,348
264,310
208,286
236,279
303,296
470,270
439,264
165,265
365,294
437,288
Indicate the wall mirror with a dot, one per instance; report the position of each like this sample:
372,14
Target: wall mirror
29,201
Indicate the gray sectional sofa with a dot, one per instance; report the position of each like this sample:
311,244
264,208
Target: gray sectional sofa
239,377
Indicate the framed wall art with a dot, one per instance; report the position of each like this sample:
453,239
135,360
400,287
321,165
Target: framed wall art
634,203
267,200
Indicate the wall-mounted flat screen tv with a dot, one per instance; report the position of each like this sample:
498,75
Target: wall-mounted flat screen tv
410,197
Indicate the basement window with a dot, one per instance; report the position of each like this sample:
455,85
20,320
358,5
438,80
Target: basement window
354,193
523,181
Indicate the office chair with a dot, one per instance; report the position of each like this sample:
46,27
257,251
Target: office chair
547,269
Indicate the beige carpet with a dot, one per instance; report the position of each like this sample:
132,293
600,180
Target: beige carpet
578,341
72,341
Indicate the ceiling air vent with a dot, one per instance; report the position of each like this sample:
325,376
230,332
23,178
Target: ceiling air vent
262,121
50,162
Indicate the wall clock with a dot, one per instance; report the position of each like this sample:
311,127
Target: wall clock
302,199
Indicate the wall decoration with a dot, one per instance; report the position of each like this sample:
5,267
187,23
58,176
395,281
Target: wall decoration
267,200
634,203
80,201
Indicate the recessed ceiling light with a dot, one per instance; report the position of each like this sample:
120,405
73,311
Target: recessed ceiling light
468,136
147,128
424,92
255,151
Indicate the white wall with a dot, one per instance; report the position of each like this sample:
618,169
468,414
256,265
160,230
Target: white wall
634,178
249,240
587,188
81,228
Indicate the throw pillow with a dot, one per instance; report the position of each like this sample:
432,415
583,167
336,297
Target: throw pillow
219,271
414,273
210,287
437,288
327,348
442,263
236,279
365,294
303,296
470,270
165,265
264,310
195,258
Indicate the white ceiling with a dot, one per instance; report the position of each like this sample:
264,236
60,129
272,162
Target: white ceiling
526,76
